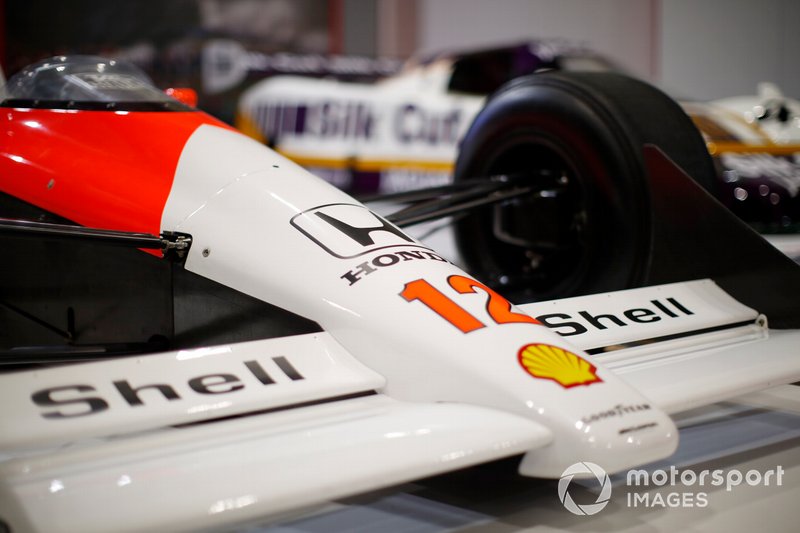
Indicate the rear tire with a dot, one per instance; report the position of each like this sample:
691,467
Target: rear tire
577,138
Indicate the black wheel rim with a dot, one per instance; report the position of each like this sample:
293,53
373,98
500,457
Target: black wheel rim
536,246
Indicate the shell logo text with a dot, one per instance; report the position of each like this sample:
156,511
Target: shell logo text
551,362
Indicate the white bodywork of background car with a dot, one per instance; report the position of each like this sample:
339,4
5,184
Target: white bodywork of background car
759,112
416,124
407,127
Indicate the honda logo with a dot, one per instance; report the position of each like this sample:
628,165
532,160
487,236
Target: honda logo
348,230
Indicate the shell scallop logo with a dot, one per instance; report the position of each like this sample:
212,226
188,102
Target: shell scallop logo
551,362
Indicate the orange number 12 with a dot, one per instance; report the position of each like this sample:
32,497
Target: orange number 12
499,308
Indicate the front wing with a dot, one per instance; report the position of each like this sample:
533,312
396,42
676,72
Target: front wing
269,427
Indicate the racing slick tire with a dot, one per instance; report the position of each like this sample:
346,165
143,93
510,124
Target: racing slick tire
575,139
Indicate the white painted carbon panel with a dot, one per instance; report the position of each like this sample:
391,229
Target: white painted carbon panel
56,405
700,377
208,176
643,314
236,471
682,345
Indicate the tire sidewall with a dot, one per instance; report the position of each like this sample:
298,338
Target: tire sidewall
602,156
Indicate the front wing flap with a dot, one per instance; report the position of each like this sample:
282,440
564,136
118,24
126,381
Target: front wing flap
682,345
239,470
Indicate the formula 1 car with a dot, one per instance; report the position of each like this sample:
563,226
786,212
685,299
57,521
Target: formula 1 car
403,132
198,333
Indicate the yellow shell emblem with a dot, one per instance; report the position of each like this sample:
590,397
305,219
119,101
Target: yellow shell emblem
551,362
